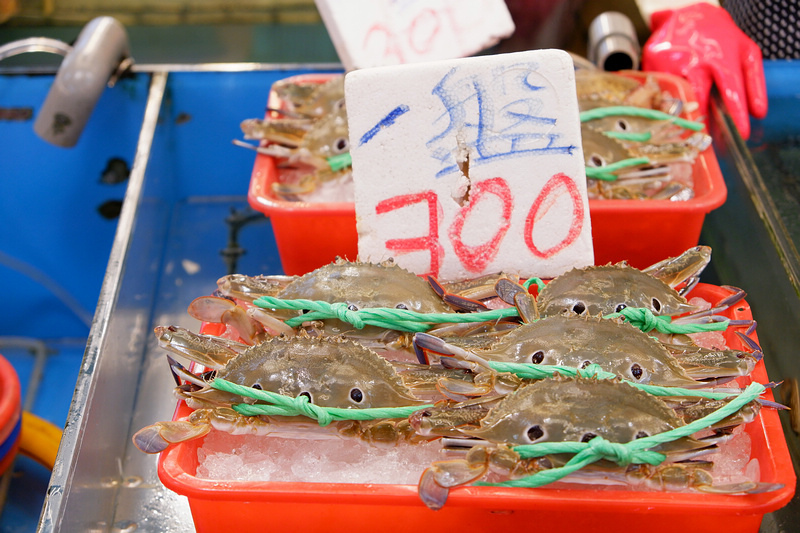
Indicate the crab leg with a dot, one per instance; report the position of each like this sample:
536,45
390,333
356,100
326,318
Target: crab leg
223,311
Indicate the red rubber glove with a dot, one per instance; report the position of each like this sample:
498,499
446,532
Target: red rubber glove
702,43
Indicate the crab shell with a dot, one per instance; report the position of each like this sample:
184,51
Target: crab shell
568,410
363,284
576,341
608,289
331,372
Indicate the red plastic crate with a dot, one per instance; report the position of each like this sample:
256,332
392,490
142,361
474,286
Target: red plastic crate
643,232
333,507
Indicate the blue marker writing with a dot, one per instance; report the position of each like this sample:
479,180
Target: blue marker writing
386,121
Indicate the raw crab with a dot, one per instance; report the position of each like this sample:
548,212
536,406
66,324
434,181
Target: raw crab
330,372
575,410
358,284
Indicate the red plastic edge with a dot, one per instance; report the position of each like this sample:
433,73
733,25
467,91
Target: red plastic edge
10,399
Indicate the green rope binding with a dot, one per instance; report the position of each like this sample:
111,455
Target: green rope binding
281,405
634,452
606,173
412,321
644,112
641,137
384,317
340,161
594,370
645,320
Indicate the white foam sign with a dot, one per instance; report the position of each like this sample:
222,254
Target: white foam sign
370,33
470,166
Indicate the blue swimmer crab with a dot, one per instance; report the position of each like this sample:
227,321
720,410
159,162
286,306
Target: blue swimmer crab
309,98
578,341
308,134
358,284
609,289
572,410
330,372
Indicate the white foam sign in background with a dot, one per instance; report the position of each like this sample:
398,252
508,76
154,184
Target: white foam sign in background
470,166
370,33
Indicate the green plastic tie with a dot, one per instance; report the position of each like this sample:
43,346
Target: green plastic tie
645,320
384,317
412,321
641,137
606,173
594,370
338,162
281,405
540,285
634,452
632,111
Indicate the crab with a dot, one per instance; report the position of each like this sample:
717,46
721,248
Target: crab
359,285
575,410
327,371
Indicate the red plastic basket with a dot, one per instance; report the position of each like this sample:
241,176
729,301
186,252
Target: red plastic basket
310,235
334,507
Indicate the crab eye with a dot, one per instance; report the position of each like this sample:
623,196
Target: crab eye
401,306
622,125
356,395
537,357
637,371
656,305
597,161
307,395
535,432
352,307
579,308
341,145
619,308
257,386
641,435
588,436
585,364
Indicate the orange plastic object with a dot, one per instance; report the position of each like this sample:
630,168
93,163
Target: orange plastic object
334,507
10,413
310,235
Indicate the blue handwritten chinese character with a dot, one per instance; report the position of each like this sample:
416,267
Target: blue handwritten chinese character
485,112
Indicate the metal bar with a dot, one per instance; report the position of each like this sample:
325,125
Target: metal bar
199,67
64,471
762,201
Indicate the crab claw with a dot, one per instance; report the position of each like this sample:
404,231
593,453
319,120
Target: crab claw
425,341
224,311
272,325
676,270
456,472
158,437
460,303
515,294
433,495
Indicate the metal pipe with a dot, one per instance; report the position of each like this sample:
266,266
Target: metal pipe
613,44
98,52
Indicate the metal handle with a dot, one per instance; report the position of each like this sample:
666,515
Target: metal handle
95,58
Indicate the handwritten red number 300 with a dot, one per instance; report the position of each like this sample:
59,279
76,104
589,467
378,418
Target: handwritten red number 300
476,258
